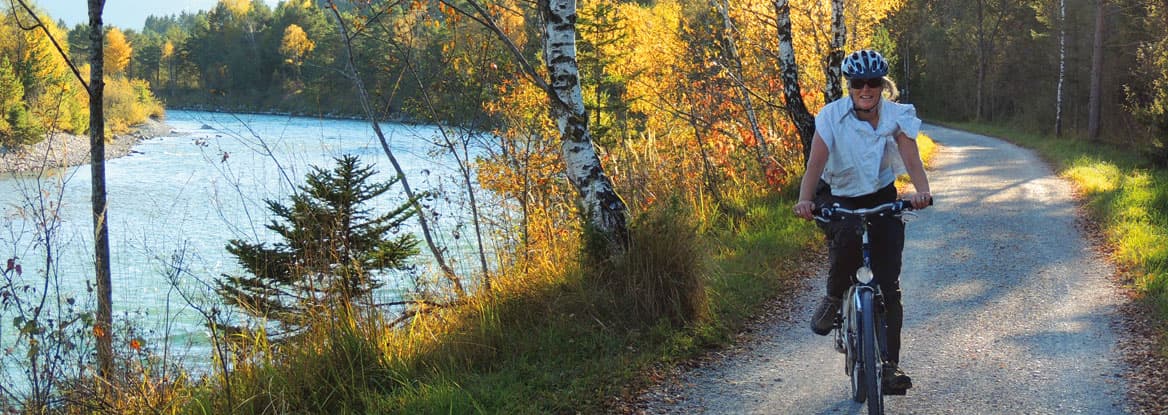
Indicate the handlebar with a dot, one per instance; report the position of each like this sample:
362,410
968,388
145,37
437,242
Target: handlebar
895,208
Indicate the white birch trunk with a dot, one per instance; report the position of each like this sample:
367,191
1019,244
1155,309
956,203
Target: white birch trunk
605,211
789,73
833,88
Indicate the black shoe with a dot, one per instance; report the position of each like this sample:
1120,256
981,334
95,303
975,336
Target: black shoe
824,318
895,379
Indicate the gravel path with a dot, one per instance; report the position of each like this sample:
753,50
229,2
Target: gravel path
1008,310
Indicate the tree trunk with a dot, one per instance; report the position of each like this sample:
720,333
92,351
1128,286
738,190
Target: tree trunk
103,326
833,89
605,212
980,35
1094,102
789,72
1058,100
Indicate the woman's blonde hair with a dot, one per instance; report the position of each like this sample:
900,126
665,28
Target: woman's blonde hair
890,90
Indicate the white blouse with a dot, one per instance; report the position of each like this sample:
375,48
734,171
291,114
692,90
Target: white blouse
862,159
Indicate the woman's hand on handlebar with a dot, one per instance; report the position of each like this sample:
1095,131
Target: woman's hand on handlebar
804,209
920,200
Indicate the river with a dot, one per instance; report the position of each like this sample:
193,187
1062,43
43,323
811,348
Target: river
192,191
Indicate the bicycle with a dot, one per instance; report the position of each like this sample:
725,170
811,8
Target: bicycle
859,329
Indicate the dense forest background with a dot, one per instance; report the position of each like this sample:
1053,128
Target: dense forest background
1000,61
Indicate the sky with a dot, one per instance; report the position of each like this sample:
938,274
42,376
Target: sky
125,14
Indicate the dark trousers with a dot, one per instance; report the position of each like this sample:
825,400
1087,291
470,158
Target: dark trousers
886,239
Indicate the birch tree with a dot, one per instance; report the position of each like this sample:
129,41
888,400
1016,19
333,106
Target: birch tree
789,72
833,89
605,211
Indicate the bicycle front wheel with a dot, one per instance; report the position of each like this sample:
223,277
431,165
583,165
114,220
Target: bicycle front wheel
870,354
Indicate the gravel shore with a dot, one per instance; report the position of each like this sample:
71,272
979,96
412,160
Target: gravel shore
63,150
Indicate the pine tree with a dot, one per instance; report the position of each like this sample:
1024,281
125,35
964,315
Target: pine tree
333,252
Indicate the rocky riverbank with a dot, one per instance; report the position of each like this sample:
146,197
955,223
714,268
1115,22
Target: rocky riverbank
65,150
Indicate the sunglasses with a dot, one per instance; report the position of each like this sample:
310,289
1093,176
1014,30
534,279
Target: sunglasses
858,83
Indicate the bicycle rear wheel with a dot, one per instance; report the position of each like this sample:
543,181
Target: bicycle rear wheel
870,354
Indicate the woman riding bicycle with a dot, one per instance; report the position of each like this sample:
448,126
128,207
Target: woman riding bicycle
862,143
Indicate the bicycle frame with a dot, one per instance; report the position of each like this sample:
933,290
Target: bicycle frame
864,292
862,312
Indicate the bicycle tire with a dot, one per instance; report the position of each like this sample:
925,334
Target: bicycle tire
857,377
852,364
870,354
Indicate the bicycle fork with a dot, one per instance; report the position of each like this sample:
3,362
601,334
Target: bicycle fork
877,294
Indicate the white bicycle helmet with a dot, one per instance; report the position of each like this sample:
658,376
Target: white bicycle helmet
864,64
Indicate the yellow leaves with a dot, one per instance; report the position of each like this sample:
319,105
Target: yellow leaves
651,54
167,50
128,102
863,17
117,52
296,45
510,21
239,8
52,93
